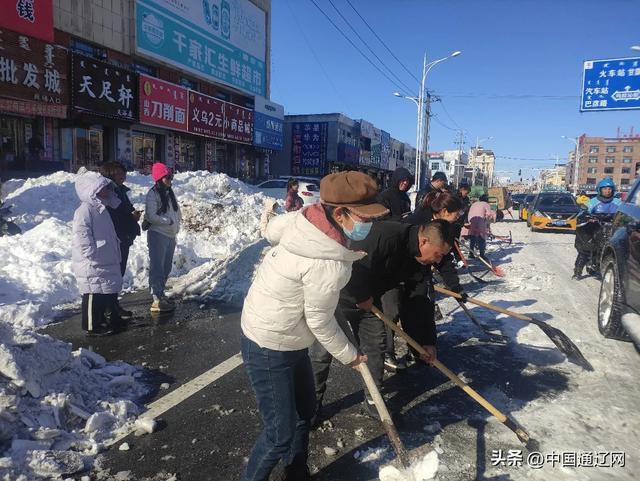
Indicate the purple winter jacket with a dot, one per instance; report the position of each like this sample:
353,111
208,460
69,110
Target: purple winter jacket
96,247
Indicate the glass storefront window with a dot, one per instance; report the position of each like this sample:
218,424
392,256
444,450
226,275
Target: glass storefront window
88,147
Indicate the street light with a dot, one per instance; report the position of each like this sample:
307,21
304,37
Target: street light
636,48
422,135
576,171
475,155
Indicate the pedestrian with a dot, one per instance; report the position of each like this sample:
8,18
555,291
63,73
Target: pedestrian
290,305
480,217
162,218
96,254
438,183
463,193
397,253
125,218
603,204
292,200
395,196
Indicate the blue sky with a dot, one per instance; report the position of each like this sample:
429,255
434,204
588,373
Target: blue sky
518,78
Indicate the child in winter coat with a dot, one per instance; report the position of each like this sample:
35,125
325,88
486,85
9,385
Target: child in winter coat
163,217
293,201
480,217
96,254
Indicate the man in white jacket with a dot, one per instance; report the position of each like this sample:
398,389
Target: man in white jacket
290,304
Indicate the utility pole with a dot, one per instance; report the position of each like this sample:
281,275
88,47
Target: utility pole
426,133
458,166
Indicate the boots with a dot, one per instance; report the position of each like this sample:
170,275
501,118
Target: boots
581,261
124,314
297,470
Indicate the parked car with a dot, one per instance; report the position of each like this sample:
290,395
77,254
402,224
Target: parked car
619,300
309,188
553,211
516,201
523,207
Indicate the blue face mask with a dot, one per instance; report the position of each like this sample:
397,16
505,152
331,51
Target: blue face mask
360,230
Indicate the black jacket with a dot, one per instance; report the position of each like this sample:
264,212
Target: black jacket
393,198
422,194
127,228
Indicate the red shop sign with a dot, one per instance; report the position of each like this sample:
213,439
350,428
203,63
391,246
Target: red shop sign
206,115
33,108
238,124
163,104
30,17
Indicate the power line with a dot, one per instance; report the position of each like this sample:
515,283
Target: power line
402,90
367,45
448,114
313,52
382,42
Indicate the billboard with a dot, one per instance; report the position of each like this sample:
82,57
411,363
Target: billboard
206,115
268,124
309,148
385,141
218,40
612,84
376,147
162,104
30,17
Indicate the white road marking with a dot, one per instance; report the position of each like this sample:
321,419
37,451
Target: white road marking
162,405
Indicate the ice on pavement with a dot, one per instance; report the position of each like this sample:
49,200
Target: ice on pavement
58,407
423,469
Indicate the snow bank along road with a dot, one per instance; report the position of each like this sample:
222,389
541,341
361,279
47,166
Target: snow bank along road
587,423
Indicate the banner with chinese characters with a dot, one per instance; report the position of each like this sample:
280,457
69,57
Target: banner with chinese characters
33,75
238,123
309,148
206,115
218,40
102,89
30,17
268,124
163,104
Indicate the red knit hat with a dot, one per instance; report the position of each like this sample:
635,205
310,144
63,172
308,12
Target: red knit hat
159,171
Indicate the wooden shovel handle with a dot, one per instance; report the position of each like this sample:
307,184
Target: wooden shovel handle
442,368
486,305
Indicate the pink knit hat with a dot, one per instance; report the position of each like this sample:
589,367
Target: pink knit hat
159,170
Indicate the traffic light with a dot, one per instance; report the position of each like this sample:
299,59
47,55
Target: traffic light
519,172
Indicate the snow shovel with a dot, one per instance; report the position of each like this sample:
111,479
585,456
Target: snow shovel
404,457
498,271
559,338
519,431
494,337
456,246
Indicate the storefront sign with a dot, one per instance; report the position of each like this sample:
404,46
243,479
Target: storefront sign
238,123
219,40
34,72
206,115
163,104
268,124
385,141
309,148
366,129
30,17
376,147
102,89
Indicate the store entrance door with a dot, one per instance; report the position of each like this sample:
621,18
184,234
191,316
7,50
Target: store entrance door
145,148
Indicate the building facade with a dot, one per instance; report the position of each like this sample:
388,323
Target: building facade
555,177
599,157
318,144
138,81
483,161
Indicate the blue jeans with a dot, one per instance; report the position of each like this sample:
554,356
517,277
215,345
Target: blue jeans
283,384
161,249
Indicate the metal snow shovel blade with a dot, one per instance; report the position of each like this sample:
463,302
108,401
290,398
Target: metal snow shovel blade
404,457
494,337
519,431
498,271
559,338
466,263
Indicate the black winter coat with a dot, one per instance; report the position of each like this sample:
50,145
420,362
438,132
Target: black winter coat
127,228
393,198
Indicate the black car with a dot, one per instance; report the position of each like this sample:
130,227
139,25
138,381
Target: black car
619,300
516,200
553,211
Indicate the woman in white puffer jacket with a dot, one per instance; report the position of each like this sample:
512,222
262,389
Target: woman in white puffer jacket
290,304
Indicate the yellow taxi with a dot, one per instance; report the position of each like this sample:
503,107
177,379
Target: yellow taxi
523,206
553,211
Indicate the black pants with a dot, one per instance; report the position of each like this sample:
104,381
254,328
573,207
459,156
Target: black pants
391,307
368,333
124,256
94,311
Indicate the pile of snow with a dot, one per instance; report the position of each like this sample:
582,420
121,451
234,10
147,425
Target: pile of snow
59,408
220,218
423,469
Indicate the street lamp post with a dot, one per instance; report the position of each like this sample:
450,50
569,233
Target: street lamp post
635,48
576,170
422,101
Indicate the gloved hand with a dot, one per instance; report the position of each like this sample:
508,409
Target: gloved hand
464,297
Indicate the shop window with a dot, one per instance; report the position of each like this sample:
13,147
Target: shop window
146,150
594,149
627,149
88,147
611,149
608,170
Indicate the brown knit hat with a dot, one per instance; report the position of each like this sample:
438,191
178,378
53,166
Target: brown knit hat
355,191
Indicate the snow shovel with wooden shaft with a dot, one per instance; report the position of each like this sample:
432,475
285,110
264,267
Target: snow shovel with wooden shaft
456,246
404,457
519,431
559,338
498,271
